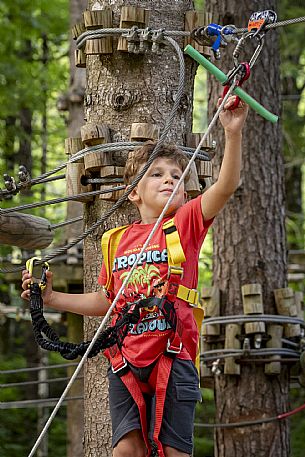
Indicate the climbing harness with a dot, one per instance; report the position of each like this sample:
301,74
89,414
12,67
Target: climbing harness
169,287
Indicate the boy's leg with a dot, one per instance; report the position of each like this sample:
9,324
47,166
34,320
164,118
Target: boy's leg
182,394
127,439
171,452
131,445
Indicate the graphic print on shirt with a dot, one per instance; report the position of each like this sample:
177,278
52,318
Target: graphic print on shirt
140,277
141,282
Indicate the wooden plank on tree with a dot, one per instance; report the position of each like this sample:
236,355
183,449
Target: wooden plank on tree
193,20
25,231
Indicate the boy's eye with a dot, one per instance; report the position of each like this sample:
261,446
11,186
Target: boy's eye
156,173
177,177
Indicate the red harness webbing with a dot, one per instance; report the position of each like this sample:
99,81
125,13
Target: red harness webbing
157,384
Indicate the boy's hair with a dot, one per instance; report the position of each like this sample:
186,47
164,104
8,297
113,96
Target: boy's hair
140,156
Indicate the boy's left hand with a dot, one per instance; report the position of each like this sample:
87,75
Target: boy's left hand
233,120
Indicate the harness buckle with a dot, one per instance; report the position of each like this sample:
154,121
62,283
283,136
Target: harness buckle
120,366
193,295
174,270
173,349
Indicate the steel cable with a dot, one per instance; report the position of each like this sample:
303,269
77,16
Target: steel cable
54,201
108,147
241,318
100,33
216,354
68,222
253,422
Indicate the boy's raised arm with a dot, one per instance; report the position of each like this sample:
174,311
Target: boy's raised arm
215,198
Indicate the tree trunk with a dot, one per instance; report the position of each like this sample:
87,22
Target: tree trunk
123,88
249,247
293,127
24,155
75,409
8,143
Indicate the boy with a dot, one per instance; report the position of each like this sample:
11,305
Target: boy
157,354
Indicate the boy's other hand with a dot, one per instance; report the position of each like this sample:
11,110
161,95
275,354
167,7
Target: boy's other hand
46,293
233,120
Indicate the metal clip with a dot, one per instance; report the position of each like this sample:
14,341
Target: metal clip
246,347
120,366
24,176
132,37
10,183
145,39
173,350
174,270
221,35
45,267
158,41
215,368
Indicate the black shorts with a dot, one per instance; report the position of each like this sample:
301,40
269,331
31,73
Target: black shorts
179,409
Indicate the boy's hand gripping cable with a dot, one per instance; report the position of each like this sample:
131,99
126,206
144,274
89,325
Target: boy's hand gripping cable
224,79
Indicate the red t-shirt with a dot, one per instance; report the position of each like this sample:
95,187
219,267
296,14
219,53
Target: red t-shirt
147,339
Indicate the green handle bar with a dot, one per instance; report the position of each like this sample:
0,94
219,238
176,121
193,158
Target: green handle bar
221,77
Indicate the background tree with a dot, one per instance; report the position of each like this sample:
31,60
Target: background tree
250,247
74,102
33,68
292,88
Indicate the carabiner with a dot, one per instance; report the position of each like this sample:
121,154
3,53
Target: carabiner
240,74
45,266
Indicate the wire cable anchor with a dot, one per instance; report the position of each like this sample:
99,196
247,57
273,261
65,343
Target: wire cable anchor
214,35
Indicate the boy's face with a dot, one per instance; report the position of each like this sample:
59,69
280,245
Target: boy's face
156,187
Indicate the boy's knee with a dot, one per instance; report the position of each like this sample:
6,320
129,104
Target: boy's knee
131,445
172,452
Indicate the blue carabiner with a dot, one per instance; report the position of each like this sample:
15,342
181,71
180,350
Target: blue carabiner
219,31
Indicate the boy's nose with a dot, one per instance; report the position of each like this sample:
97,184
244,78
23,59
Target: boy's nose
168,178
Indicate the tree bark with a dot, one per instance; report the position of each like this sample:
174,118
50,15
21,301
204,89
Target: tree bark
293,126
76,109
75,410
250,247
123,88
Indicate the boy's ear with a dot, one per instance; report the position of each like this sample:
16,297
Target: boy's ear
133,196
